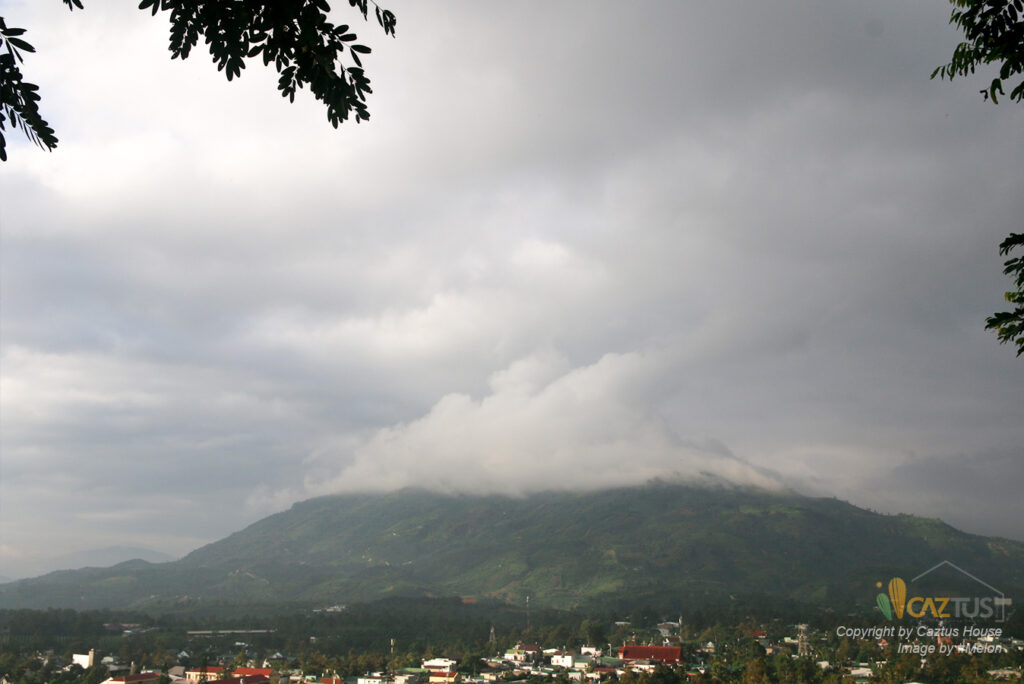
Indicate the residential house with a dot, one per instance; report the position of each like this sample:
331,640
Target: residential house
143,678
204,674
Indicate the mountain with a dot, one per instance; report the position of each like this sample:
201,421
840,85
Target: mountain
90,558
662,543
107,557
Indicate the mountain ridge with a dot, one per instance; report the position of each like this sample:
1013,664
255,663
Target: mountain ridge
669,543
104,557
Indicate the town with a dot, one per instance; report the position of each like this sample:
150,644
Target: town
665,652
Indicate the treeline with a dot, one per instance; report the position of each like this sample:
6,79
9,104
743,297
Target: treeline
399,632
31,669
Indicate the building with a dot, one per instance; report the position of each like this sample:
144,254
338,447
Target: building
669,655
84,660
204,674
144,678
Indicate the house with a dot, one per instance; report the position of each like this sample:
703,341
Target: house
374,678
251,679
84,660
527,653
214,673
667,628
114,667
440,677
378,678
439,665
669,655
143,678
1004,673
563,659
860,672
642,665
440,671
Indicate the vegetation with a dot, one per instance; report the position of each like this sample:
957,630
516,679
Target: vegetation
398,633
670,546
1009,325
993,34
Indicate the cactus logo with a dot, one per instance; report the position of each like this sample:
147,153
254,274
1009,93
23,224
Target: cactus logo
894,602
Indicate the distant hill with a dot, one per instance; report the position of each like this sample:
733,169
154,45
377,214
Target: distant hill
106,557
661,544
91,558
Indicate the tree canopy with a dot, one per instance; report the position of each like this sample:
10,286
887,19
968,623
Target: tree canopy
296,37
1009,325
993,33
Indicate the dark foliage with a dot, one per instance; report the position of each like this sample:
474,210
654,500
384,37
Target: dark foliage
19,99
994,34
1009,325
296,37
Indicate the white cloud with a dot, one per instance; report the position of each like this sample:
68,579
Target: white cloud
541,426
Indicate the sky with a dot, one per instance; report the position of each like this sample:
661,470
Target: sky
577,245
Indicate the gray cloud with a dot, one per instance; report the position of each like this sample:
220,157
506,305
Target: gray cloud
747,239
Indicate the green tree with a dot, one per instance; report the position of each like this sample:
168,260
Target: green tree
1009,325
994,34
756,672
296,37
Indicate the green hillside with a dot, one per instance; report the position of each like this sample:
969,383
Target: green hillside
662,544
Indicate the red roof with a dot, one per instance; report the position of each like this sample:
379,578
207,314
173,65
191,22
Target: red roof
247,679
665,654
246,671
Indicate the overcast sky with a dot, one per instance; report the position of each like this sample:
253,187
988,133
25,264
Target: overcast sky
579,244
